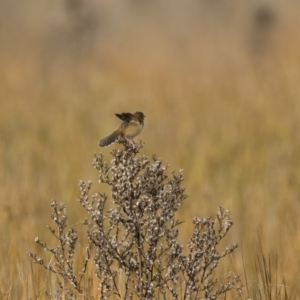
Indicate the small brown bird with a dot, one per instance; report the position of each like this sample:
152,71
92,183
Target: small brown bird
132,125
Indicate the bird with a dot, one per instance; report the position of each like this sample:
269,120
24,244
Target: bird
132,125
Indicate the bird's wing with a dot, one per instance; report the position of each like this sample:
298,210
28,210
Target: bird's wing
126,117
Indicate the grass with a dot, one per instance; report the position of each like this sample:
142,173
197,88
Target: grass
226,114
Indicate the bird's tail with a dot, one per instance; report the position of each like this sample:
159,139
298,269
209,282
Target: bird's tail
109,139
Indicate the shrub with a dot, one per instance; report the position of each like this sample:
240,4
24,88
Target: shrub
134,245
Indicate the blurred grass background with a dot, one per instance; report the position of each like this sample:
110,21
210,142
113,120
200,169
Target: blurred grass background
219,84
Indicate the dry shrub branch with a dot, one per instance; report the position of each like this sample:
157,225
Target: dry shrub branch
134,245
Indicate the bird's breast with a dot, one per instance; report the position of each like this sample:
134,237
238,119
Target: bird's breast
132,130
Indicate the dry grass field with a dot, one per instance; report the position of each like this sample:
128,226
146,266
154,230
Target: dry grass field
219,84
